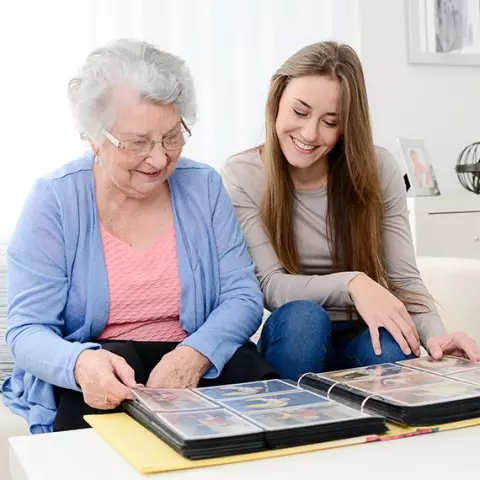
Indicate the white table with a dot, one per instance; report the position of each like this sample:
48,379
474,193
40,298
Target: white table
83,455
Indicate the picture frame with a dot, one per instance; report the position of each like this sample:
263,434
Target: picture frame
443,32
420,172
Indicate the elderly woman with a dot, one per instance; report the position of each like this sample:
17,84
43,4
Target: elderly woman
127,265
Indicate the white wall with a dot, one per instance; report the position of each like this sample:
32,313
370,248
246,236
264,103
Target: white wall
440,104
43,43
232,47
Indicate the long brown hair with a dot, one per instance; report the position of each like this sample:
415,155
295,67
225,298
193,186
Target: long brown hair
355,208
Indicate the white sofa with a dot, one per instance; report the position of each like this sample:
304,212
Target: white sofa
453,282
10,425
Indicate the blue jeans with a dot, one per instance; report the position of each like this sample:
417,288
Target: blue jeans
299,337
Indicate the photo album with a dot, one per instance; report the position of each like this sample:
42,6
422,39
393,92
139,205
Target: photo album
250,417
417,392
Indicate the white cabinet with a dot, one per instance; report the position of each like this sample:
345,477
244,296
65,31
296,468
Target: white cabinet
446,226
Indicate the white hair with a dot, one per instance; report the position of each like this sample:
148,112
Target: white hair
156,76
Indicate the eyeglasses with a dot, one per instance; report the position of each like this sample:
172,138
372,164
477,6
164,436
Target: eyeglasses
144,147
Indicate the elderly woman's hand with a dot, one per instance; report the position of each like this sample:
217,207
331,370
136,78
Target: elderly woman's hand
105,378
181,368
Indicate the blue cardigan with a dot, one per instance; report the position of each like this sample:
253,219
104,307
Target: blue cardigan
57,285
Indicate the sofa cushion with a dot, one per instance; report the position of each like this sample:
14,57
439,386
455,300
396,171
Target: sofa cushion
10,425
5,358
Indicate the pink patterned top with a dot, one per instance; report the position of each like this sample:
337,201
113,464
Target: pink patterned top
144,290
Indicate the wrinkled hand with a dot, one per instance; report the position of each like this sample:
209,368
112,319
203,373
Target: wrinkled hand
379,308
181,368
105,378
457,344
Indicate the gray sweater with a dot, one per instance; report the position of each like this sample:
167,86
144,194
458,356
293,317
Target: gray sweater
244,179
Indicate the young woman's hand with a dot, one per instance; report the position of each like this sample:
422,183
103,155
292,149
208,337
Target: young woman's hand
379,308
458,344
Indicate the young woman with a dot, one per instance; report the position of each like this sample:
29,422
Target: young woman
325,217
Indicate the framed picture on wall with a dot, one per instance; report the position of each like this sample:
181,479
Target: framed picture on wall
421,175
443,32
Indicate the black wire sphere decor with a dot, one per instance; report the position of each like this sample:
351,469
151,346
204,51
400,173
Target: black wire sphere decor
468,168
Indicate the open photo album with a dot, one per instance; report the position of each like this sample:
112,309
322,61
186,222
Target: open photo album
250,417
218,421
416,392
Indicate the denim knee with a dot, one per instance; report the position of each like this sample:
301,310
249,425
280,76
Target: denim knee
299,318
295,338
391,351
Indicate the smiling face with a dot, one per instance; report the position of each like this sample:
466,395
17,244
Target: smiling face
307,123
138,176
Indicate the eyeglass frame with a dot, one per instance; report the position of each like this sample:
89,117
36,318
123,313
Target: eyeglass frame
118,144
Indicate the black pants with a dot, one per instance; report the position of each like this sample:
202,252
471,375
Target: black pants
246,365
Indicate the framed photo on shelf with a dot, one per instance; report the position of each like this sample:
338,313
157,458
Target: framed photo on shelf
421,175
443,32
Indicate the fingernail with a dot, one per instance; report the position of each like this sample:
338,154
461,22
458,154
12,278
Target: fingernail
417,352
408,351
378,351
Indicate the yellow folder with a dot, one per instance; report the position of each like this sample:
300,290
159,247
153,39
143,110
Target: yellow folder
148,454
